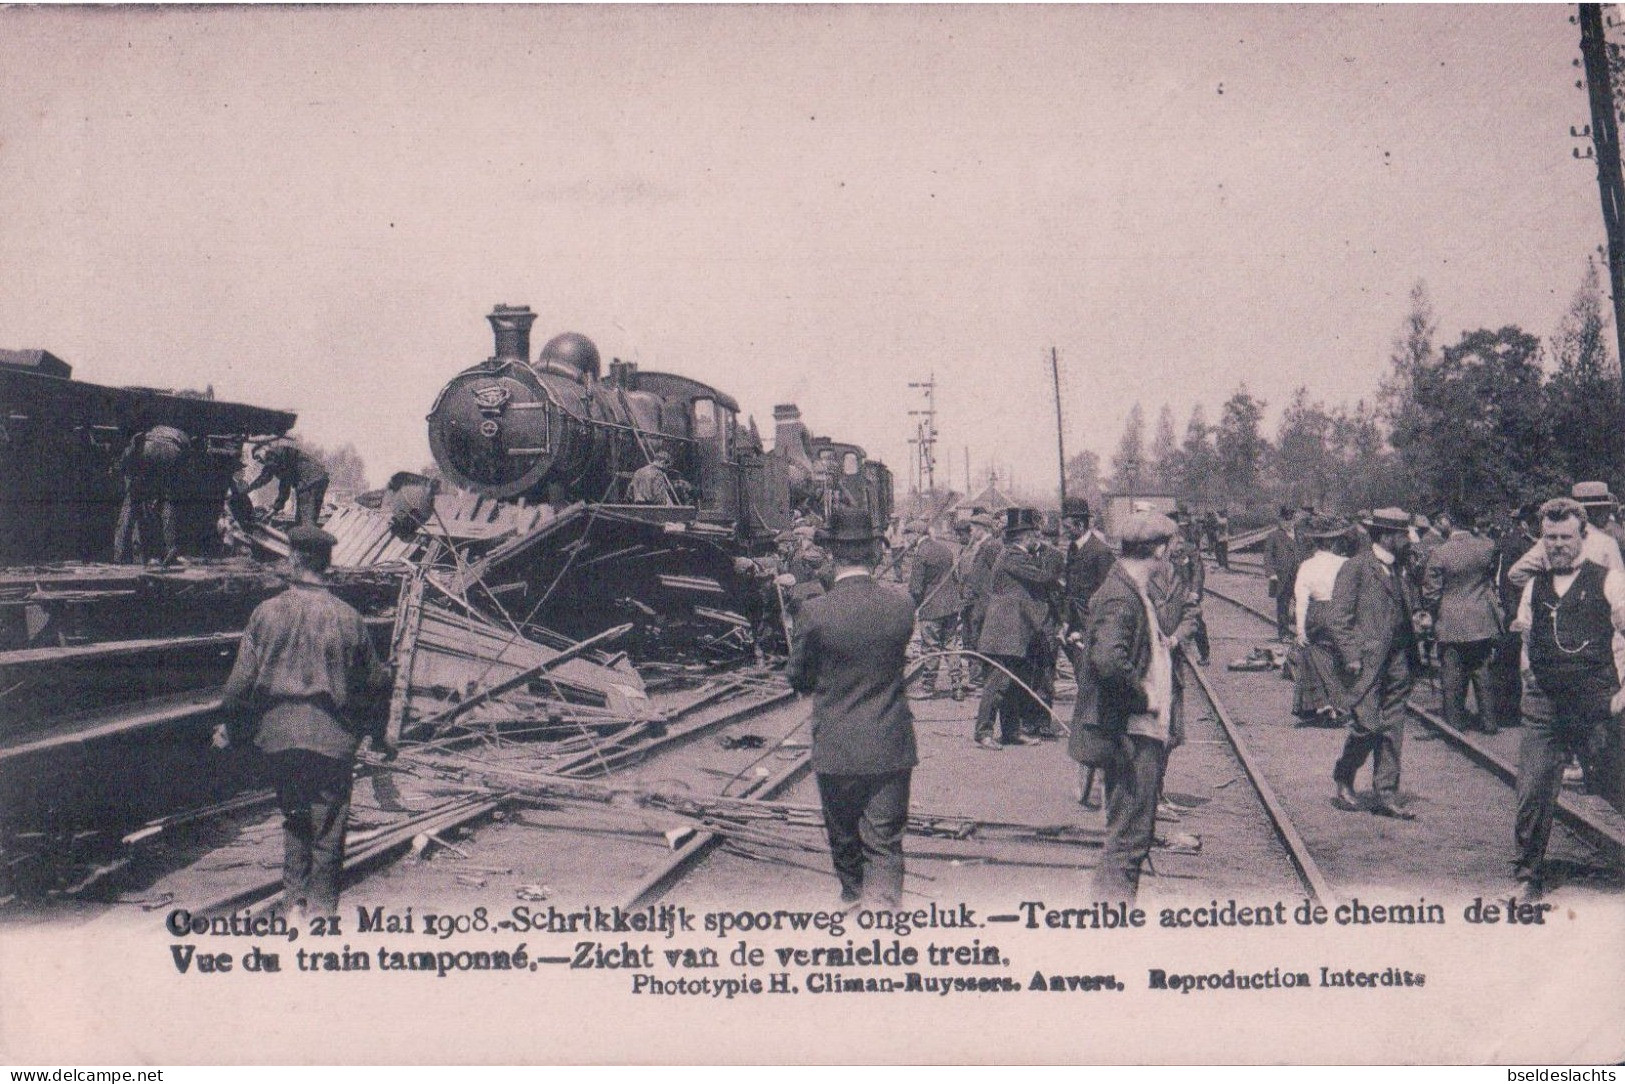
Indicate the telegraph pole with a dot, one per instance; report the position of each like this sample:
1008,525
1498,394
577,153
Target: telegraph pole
927,438
1060,436
1605,138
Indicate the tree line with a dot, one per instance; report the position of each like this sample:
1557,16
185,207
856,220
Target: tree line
1474,427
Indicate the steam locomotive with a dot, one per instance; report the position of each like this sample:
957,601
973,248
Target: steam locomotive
560,429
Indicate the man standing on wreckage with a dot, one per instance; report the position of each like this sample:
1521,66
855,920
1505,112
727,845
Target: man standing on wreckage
849,653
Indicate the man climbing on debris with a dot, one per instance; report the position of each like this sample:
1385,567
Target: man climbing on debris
152,466
849,654
650,482
305,675
296,472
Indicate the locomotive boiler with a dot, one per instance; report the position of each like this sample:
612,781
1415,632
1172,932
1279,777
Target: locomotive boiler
564,430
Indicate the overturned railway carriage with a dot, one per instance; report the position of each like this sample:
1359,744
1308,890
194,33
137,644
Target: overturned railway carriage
60,442
565,430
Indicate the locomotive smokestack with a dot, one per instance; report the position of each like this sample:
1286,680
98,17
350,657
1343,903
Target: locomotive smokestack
511,325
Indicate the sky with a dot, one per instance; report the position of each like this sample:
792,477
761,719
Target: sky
315,207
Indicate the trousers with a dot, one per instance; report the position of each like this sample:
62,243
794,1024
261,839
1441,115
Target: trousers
941,634
1133,786
308,503
1377,727
865,817
1555,731
1008,702
314,794
1461,664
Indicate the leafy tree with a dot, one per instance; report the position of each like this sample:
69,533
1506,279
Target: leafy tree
1165,451
1196,468
1130,468
1412,350
1473,434
1583,392
1305,465
1240,445
1083,478
346,471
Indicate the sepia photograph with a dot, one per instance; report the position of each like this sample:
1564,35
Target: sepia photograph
564,534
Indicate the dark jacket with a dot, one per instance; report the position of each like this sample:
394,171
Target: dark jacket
304,672
1459,590
1282,556
1370,616
1116,657
849,654
1086,566
1018,601
934,580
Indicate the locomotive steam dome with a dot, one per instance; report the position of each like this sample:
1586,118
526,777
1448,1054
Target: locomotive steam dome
569,355
503,427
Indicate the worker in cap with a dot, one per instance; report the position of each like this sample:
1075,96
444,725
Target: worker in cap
650,483
1124,723
977,563
849,654
154,466
297,473
307,686
1373,617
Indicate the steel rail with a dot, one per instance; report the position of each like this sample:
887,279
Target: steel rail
1297,850
1590,818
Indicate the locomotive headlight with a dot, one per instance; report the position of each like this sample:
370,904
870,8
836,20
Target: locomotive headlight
489,428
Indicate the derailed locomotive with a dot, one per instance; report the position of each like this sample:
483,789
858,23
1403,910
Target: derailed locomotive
563,430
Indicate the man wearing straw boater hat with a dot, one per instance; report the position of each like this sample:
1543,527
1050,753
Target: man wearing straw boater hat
849,654
1370,617
305,669
1125,722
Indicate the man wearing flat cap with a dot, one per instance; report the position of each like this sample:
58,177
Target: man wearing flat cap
1124,722
1371,617
849,654
306,675
936,584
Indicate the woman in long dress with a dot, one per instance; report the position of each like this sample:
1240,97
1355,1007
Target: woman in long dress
1319,698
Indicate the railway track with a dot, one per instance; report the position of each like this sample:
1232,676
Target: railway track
1460,786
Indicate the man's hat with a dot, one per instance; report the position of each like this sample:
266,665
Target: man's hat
1387,519
1148,527
1075,508
848,524
1592,493
308,539
1019,521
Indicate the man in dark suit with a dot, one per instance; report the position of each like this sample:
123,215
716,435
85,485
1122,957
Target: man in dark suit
1458,590
1505,669
934,583
849,654
1371,614
1282,556
1015,628
1088,560
1124,722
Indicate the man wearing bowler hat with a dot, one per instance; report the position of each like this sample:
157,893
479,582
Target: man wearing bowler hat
1370,618
1124,722
849,653
1016,627
304,676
